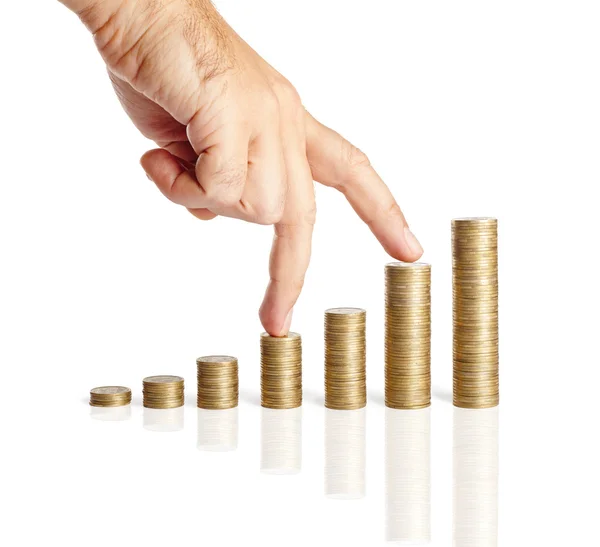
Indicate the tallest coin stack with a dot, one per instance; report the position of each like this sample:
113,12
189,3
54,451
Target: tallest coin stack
475,312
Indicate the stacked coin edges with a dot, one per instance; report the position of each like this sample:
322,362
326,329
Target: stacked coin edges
281,371
110,396
218,384
407,335
475,312
345,358
163,392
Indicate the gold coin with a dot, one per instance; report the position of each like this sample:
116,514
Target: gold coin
163,391
218,383
281,371
345,358
109,396
475,312
407,335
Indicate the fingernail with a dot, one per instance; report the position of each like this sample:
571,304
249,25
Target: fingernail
412,242
149,177
288,322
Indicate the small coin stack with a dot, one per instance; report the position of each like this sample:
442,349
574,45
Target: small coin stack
345,358
163,392
281,371
475,312
217,382
110,396
407,335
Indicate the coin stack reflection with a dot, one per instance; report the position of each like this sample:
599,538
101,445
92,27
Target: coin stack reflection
345,448
163,392
110,396
475,312
217,382
281,441
345,358
408,476
407,335
217,429
281,371
475,477
163,419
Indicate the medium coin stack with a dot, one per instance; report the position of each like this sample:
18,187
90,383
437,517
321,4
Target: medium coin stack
407,335
281,371
110,396
345,358
475,312
217,382
163,392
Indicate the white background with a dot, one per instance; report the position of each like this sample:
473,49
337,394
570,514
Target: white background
465,108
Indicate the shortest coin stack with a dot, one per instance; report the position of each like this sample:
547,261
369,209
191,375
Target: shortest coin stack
217,382
110,396
163,392
281,371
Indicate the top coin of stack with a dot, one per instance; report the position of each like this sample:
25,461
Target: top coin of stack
281,371
163,392
475,312
407,335
217,382
345,358
110,396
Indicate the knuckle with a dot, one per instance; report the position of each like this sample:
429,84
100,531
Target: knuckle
287,93
270,212
297,284
354,158
225,187
271,105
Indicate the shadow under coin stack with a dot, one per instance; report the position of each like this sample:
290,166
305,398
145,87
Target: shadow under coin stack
110,396
475,307
163,392
281,371
217,382
345,358
407,335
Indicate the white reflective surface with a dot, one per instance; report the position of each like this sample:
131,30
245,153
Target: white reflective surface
408,475
111,414
475,477
163,419
281,441
345,449
217,429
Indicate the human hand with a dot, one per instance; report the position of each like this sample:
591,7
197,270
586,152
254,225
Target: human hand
234,137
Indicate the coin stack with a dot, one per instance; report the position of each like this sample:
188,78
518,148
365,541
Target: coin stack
110,396
475,312
217,382
163,392
345,358
281,371
407,335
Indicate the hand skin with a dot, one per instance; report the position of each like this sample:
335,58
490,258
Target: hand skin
233,136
